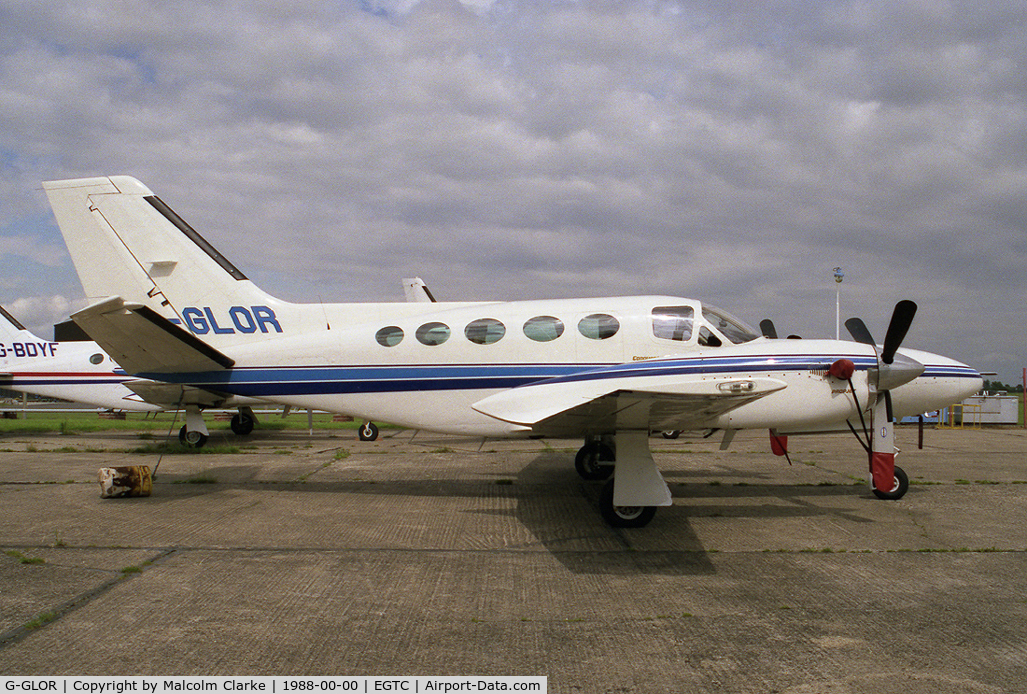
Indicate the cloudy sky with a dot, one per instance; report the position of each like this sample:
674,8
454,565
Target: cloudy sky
730,151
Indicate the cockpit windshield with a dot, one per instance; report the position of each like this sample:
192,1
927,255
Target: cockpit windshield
727,325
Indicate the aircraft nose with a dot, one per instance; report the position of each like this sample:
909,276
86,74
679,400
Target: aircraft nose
943,382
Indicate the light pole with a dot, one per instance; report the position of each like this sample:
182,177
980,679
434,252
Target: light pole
838,275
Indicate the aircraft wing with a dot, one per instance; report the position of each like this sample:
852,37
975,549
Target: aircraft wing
143,341
580,404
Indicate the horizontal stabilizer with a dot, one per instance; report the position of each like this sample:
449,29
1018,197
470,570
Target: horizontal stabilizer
637,402
143,341
172,395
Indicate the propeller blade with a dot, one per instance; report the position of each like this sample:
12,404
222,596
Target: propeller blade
768,329
858,329
901,319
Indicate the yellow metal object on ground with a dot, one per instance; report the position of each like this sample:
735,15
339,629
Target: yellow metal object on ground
128,481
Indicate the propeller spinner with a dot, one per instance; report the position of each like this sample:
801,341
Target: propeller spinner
893,369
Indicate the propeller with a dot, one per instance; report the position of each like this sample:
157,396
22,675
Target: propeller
893,370
770,332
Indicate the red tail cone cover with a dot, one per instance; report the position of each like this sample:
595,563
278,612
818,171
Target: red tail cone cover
779,444
882,467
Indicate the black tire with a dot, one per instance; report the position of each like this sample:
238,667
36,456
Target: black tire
899,490
623,516
191,439
368,431
242,424
588,463
671,434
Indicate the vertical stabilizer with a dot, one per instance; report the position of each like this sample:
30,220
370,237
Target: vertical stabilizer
11,329
125,241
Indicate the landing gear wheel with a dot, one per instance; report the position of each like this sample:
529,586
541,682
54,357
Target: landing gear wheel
671,434
588,462
623,516
899,489
242,424
368,431
191,438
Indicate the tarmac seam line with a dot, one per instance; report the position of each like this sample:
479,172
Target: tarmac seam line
44,619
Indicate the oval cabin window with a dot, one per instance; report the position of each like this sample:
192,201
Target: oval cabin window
598,326
543,328
389,336
485,331
432,334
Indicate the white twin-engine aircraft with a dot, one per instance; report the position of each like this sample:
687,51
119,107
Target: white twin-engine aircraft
82,372
169,307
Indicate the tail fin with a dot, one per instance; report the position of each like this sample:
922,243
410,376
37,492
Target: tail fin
10,326
125,241
417,291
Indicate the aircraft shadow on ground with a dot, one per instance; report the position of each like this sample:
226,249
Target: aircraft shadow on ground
562,511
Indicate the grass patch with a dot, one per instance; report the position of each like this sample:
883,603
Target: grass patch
41,620
341,454
179,449
15,554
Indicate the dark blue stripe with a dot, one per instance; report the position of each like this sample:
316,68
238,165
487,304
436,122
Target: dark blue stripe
307,380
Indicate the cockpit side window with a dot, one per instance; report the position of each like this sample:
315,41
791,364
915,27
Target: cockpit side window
673,322
707,338
727,325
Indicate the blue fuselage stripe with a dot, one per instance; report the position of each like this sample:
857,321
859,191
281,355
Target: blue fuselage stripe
323,380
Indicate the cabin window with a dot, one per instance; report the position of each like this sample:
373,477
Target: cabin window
598,326
389,336
543,328
432,334
485,331
96,359
673,322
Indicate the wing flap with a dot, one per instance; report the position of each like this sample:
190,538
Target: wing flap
142,341
655,403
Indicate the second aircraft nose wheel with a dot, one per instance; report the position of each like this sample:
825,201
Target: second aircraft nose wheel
368,431
242,424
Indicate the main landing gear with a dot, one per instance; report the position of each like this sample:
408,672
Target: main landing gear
595,460
630,499
194,434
